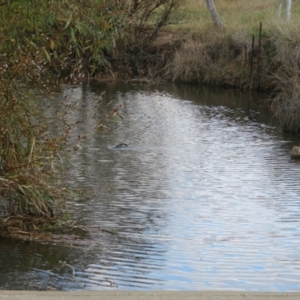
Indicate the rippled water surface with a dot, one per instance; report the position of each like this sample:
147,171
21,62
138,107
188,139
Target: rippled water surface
205,197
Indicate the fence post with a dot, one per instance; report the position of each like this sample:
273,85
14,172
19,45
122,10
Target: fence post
251,61
259,57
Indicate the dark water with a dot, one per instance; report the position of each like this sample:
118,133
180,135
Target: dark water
205,197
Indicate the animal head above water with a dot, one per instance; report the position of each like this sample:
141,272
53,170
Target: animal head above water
121,145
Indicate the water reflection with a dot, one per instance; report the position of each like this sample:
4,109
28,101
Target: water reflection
204,197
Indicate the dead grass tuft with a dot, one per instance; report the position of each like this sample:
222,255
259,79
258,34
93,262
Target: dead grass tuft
286,99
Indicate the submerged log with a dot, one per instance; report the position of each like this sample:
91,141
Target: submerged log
295,153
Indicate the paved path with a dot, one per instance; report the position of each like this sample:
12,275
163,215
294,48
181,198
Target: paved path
148,295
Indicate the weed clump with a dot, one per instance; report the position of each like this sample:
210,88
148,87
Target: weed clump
285,102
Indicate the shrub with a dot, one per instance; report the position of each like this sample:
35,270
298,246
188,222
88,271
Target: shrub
285,102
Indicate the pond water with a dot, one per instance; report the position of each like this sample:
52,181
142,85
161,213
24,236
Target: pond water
205,197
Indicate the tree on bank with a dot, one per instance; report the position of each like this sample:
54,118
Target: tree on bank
214,14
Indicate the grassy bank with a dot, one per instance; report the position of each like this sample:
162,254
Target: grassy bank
228,57
236,15
224,57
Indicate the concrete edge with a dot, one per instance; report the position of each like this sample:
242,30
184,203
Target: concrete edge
146,295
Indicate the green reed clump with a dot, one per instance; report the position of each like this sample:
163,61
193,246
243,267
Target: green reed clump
80,38
73,36
30,156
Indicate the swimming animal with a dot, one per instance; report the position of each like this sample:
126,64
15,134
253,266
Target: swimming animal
122,145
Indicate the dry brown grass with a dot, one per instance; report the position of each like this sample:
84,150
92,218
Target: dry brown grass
285,38
286,99
221,62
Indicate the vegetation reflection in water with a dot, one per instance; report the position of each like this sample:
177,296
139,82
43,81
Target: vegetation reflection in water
205,196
